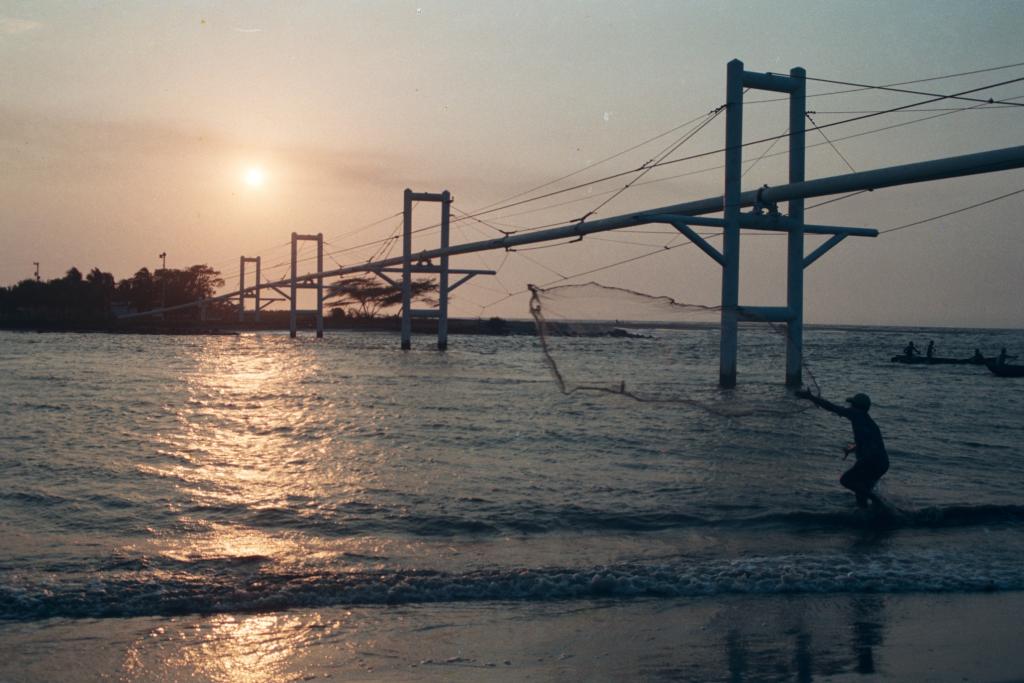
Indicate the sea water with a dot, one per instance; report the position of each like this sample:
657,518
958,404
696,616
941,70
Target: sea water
160,476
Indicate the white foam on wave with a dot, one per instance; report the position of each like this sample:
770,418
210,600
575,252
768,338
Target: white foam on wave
138,593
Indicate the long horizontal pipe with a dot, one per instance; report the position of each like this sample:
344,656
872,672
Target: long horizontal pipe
950,167
768,223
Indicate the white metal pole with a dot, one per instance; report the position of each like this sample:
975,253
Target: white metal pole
442,319
407,271
241,289
258,288
320,285
293,321
731,237
795,255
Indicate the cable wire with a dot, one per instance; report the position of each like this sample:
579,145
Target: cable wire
890,85
951,213
592,165
647,167
831,144
720,150
958,96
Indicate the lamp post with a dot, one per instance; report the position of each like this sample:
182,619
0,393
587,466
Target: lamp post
163,281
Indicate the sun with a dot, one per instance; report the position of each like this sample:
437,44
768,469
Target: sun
255,176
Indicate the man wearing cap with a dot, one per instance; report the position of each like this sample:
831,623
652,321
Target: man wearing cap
872,458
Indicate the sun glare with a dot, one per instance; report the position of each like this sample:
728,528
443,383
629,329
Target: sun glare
255,176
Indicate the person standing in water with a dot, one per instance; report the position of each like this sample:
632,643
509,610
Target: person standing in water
869,447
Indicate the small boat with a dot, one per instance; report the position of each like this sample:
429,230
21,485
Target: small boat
935,360
1006,370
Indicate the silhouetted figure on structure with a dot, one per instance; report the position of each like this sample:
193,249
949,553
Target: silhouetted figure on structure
872,458
909,350
931,349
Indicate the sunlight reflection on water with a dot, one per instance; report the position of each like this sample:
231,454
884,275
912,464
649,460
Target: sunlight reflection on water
235,649
236,447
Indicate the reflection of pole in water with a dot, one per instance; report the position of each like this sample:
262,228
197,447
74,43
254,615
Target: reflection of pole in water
736,654
790,645
868,631
803,657
767,655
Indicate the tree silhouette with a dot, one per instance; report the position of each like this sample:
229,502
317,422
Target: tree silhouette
365,296
139,291
71,298
145,291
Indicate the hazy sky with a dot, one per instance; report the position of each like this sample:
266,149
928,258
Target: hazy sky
126,130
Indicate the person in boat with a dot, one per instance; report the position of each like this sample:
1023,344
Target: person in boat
909,350
931,349
1003,357
869,447
977,357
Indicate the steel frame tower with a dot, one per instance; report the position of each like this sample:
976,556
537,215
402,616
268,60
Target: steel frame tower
244,294
312,281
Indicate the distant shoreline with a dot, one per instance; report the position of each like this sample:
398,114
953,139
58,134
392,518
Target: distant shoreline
467,326
492,327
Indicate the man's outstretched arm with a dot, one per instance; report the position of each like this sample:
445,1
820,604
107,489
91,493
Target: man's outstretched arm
822,403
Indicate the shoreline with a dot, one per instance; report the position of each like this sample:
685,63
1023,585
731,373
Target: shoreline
835,637
493,327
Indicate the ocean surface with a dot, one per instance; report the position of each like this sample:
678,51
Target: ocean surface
157,476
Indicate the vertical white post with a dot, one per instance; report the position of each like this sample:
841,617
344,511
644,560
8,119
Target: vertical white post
241,289
795,255
731,244
442,319
258,288
293,324
407,272
320,285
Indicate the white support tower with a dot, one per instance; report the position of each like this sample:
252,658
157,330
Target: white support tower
252,292
311,281
423,265
737,81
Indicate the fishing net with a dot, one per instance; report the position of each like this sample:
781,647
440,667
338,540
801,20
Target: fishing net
609,340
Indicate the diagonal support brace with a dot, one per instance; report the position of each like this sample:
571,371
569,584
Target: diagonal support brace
680,225
823,249
385,278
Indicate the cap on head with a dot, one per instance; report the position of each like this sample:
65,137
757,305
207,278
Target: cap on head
860,401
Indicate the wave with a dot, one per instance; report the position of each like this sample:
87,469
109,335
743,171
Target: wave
936,517
482,518
886,517
252,586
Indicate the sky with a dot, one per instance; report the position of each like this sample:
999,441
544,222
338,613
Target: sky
132,129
